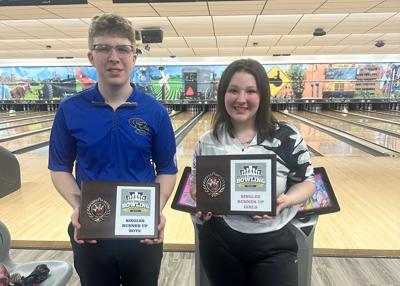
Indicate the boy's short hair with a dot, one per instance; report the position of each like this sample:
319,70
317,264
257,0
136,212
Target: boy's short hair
112,25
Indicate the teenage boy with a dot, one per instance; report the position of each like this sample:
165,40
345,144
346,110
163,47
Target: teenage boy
113,132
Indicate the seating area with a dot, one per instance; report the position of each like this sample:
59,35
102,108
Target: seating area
60,271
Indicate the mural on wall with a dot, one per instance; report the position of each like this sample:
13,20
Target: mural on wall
373,80
395,79
34,83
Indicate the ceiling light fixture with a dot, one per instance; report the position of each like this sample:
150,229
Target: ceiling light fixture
319,32
379,44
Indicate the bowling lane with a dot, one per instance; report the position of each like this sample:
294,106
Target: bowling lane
376,137
23,115
44,151
387,112
186,147
377,115
180,119
179,227
362,120
26,128
17,113
26,122
26,141
322,142
11,120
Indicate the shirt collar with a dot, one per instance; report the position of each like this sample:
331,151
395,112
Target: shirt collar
98,99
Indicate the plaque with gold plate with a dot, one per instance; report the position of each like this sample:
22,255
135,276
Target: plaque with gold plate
236,184
117,210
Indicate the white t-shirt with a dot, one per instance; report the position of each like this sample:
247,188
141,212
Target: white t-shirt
293,166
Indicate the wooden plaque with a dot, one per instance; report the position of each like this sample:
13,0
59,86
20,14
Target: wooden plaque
236,184
114,210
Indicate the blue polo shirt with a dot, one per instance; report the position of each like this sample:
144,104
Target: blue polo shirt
134,143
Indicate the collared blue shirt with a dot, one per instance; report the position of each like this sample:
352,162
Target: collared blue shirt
134,143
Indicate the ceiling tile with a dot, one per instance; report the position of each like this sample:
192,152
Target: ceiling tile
211,28
218,8
231,41
201,42
181,9
275,24
181,52
255,51
224,52
190,26
233,26
206,52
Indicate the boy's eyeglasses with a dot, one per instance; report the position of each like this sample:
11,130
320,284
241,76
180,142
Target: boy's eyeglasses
122,50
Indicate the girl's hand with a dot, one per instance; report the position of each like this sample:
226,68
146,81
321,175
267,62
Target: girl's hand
204,217
283,201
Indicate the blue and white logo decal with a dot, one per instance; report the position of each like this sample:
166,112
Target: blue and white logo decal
140,126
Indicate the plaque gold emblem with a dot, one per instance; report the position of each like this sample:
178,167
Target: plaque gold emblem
98,210
214,184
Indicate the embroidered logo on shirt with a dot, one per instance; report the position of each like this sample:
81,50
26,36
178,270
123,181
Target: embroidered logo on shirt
140,126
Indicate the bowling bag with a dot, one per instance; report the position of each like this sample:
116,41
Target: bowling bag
38,275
